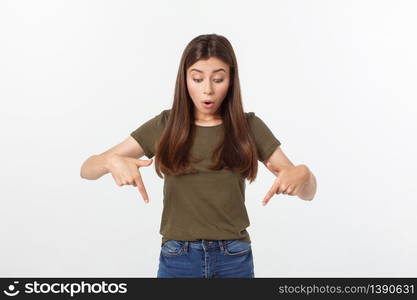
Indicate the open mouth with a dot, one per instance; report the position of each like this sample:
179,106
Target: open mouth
208,104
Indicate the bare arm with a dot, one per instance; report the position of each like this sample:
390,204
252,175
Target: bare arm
279,161
98,165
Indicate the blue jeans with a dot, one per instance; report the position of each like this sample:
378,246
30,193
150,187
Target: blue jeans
206,259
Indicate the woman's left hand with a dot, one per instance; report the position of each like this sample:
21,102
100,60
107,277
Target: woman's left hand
289,181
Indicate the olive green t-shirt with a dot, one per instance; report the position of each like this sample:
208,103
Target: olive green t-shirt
209,204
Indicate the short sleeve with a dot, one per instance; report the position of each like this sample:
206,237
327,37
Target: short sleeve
149,132
265,140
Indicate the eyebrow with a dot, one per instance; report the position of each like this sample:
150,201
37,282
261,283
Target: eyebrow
218,70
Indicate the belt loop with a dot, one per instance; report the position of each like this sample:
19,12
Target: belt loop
221,246
186,246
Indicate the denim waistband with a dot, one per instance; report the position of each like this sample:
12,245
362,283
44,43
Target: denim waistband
206,244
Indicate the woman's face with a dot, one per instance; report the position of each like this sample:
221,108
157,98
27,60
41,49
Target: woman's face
208,80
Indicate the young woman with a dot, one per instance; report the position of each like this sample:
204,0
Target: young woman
206,146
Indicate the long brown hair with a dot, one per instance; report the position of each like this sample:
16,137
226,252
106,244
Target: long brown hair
237,152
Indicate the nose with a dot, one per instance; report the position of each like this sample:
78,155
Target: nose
208,88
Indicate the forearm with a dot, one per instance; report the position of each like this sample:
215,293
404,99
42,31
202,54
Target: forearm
95,167
309,189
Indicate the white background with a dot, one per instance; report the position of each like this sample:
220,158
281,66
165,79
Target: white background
334,80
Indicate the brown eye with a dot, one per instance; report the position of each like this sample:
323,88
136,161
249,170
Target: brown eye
218,80
197,80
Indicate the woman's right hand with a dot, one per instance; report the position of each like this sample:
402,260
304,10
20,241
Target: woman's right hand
125,170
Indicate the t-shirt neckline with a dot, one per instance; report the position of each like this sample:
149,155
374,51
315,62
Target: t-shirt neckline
221,124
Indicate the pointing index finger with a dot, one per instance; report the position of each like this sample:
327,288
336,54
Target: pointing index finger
141,188
270,193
